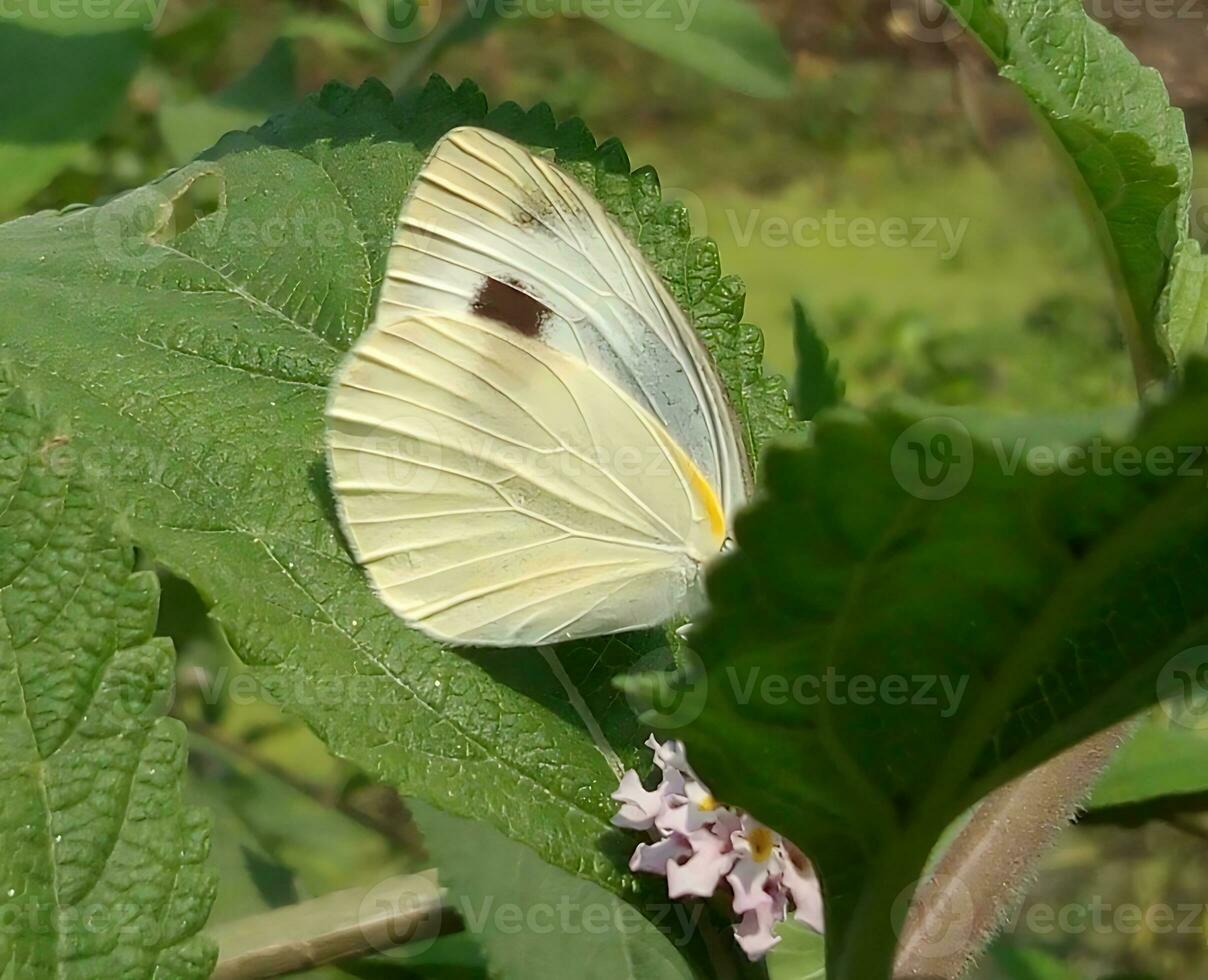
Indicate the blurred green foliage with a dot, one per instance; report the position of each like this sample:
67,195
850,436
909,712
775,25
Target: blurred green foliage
1015,314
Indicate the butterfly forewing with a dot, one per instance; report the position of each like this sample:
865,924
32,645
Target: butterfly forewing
490,228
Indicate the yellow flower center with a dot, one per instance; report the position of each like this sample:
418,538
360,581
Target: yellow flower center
707,803
761,842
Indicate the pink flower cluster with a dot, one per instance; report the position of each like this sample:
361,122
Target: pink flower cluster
699,843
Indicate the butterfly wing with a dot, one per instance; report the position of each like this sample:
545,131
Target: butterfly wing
499,492
491,229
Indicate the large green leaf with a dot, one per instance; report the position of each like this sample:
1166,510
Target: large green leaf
1026,963
1115,121
199,357
884,649
1165,758
727,40
800,954
1187,302
190,125
65,70
102,868
533,919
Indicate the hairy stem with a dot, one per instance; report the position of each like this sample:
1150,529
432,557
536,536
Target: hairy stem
982,875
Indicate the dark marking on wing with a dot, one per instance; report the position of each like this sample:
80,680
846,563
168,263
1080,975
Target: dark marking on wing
505,303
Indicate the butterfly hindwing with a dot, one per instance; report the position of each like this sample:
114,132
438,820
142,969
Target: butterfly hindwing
498,492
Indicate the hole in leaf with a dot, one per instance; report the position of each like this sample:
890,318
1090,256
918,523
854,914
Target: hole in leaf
201,198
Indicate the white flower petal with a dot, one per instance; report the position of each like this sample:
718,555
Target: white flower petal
754,934
803,886
688,818
639,805
669,754
727,823
672,787
703,871
748,880
654,858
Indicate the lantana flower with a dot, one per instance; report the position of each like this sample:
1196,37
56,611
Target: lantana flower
700,845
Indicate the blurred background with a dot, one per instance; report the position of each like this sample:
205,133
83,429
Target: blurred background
859,155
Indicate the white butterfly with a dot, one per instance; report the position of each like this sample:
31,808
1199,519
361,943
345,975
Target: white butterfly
530,443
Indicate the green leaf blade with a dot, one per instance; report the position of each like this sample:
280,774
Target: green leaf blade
817,385
66,70
495,883
1127,143
1165,758
726,40
100,857
1038,609
199,356
1187,303
190,126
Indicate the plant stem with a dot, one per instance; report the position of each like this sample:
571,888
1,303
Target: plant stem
341,926
981,876
320,795
425,51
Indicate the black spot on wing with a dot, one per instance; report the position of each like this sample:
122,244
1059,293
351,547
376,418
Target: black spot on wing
505,303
